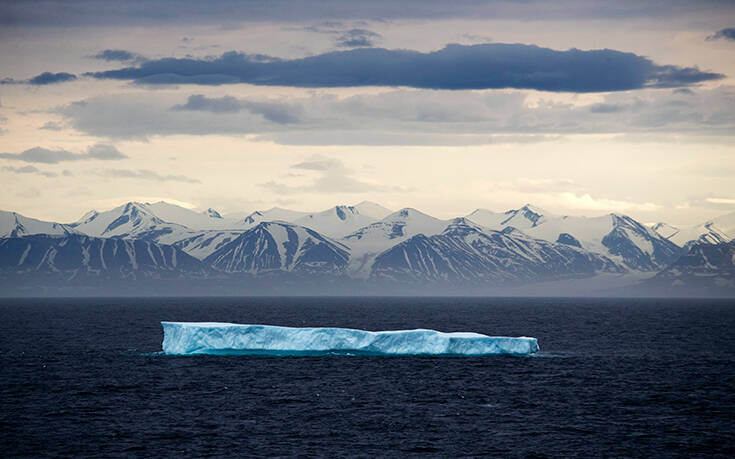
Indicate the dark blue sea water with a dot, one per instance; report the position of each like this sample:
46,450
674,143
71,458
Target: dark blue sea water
81,377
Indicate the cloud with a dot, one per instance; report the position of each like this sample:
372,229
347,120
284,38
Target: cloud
102,13
344,37
332,177
358,38
723,34
51,78
145,174
705,201
587,202
118,55
730,201
455,67
103,152
43,79
605,108
326,164
52,126
407,117
277,112
28,170
44,155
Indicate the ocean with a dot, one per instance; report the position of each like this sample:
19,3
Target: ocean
614,377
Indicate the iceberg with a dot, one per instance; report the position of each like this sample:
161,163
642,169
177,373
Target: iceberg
192,338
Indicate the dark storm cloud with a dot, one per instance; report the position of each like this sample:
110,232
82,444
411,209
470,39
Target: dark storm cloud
44,155
357,38
277,112
484,66
723,34
148,12
118,55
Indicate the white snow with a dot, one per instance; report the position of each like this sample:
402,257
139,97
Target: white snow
720,229
589,231
373,210
188,338
523,218
13,224
273,214
366,243
206,220
335,222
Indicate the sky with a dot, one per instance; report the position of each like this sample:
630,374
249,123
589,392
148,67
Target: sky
578,107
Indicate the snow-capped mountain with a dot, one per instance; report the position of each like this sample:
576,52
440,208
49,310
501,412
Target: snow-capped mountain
372,210
706,268
514,248
336,222
13,224
466,252
528,216
74,256
273,214
139,220
665,230
280,246
208,220
369,241
715,231
616,236
201,244
132,221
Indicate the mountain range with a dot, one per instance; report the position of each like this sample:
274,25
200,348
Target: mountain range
360,249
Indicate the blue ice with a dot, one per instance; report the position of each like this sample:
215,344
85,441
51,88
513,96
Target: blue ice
191,338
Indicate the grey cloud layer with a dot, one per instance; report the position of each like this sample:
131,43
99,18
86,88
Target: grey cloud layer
277,112
407,117
484,66
110,12
118,55
29,170
356,38
44,155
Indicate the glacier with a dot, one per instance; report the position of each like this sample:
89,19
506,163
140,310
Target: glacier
215,338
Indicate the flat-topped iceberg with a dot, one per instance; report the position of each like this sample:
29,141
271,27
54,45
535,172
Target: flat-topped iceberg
190,338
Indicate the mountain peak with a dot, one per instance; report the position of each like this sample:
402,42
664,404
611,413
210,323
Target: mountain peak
407,212
535,209
211,213
372,209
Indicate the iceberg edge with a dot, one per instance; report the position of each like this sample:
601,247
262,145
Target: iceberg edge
218,338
